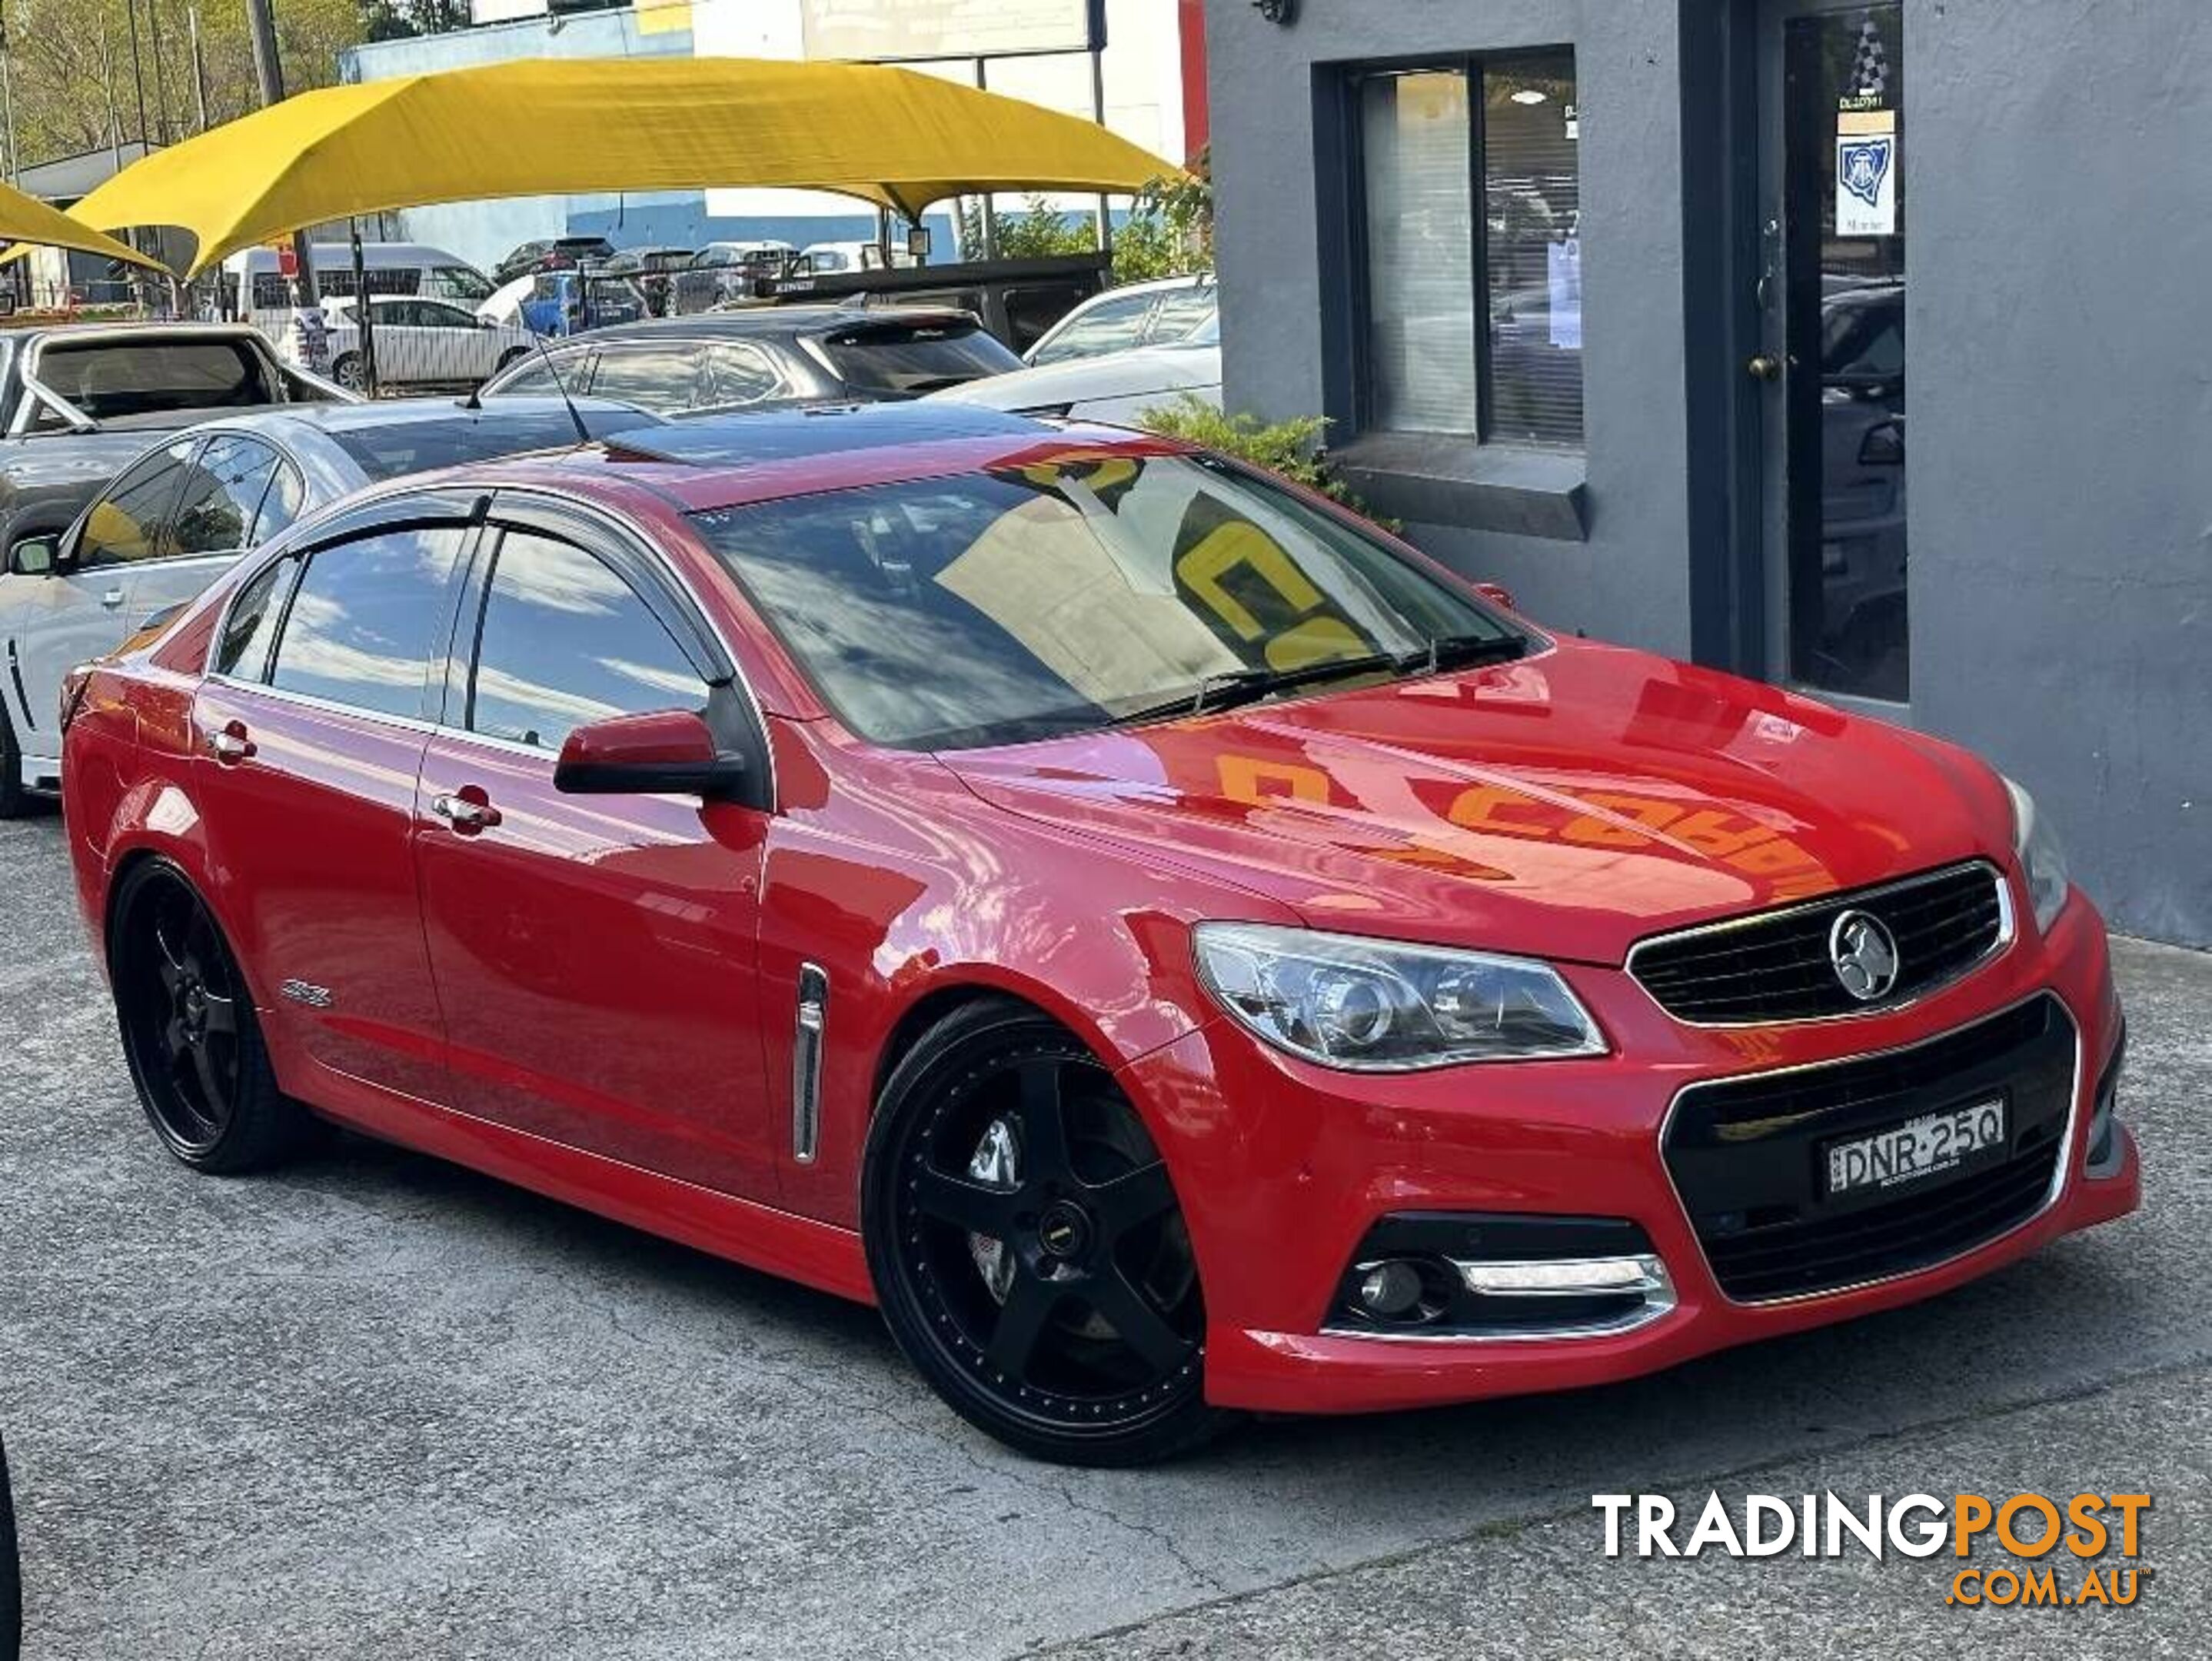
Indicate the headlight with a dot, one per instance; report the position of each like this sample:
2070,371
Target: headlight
1378,1006
2041,858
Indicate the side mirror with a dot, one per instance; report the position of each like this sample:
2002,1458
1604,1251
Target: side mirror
670,752
36,557
1497,595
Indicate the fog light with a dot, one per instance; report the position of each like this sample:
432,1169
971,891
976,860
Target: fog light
1391,1290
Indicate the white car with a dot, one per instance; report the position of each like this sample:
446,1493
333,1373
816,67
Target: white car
1113,387
417,343
1165,311
180,516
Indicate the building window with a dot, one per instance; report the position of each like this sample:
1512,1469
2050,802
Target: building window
1470,208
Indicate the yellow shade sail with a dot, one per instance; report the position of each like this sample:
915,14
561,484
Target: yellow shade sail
555,126
25,219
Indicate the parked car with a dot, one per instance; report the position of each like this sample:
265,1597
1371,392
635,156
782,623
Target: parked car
551,254
416,343
1116,387
763,355
180,516
1172,946
416,269
1017,299
78,401
566,302
852,256
650,268
1164,312
722,272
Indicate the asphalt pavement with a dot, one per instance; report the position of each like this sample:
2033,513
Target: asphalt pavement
376,1406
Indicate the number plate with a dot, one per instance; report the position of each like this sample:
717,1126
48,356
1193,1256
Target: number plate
1918,1147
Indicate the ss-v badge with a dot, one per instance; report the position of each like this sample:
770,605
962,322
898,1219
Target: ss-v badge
306,992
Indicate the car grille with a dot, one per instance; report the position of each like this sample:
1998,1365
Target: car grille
1778,967
1747,1156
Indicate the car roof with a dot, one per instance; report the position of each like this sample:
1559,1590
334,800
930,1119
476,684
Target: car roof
334,418
704,462
746,321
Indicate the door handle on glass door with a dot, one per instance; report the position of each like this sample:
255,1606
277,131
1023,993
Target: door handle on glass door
465,810
1764,367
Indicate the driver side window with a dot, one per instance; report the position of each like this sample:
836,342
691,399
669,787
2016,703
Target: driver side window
125,523
566,641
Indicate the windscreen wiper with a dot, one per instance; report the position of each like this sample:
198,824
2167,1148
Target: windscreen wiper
1464,651
1231,687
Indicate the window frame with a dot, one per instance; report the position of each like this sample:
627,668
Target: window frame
251,519
1473,67
158,535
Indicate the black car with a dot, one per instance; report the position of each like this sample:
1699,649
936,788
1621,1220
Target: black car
763,355
551,253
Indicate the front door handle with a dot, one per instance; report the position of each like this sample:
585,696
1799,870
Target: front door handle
467,810
231,745
113,600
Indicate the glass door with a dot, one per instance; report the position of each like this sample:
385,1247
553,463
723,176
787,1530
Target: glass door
1831,362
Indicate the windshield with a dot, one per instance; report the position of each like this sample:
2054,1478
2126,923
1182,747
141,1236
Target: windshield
891,359
1083,590
417,447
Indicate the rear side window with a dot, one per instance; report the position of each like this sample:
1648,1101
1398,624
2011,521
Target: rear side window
662,379
566,642
906,360
243,651
287,499
1180,311
360,628
222,497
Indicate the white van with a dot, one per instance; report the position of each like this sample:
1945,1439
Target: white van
262,296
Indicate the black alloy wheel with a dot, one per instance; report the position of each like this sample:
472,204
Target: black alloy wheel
189,1033
1028,1249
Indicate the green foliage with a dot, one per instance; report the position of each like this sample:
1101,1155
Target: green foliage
1037,232
1171,231
1291,448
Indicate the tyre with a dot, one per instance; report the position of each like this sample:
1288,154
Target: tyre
1027,1247
190,1035
350,373
15,800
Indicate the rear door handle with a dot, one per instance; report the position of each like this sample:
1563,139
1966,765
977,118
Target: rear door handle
464,810
113,600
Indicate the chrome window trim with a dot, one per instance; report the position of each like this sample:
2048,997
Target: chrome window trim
2008,933
2062,1167
331,706
619,522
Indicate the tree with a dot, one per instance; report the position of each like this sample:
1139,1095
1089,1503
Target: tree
78,86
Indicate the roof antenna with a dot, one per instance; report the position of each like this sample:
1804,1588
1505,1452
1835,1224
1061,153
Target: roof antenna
583,433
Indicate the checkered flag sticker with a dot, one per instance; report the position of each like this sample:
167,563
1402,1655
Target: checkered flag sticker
1870,71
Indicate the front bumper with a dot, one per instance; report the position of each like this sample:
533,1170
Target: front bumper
1285,1168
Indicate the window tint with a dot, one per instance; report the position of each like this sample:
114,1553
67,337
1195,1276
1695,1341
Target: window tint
107,380
536,379
222,496
1183,310
661,379
737,374
124,524
1060,596
1109,326
287,497
360,629
566,641
910,359
243,651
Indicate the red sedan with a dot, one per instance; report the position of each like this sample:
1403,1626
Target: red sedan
1172,946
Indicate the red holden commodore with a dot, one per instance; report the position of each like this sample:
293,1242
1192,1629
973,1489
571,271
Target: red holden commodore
1173,947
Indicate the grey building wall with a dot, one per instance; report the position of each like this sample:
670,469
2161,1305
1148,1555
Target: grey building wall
2061,424
2059,162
